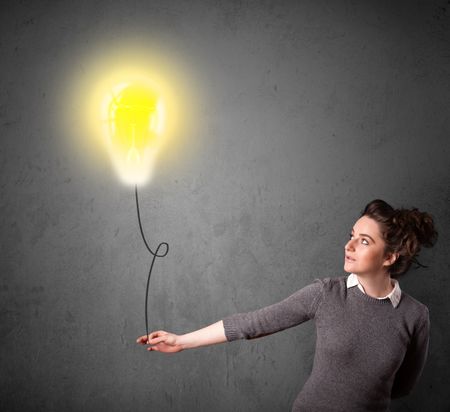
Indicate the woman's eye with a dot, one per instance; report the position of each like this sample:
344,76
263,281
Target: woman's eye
364,241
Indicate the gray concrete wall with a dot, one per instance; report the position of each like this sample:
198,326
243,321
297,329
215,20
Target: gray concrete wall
305,111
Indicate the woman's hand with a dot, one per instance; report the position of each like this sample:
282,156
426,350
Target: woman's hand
163,341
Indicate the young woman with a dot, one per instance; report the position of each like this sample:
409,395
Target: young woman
372,338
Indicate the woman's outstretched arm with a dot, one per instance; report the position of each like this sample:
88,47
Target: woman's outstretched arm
295,309
163,341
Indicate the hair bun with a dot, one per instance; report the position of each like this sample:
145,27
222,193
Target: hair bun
420,223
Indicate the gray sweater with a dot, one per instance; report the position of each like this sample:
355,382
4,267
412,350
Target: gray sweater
367,351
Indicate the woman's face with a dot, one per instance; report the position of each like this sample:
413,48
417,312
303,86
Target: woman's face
364,252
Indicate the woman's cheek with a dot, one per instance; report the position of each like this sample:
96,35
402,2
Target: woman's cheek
367,258
372,257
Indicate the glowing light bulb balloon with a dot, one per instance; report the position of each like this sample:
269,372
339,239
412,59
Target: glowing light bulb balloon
133,124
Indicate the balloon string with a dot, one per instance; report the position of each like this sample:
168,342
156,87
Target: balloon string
155,255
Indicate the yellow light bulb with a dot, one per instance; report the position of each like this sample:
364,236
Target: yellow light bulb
133,124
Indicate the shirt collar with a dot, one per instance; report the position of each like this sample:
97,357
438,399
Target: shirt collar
394,296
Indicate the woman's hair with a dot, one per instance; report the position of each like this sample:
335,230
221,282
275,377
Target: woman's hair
404,231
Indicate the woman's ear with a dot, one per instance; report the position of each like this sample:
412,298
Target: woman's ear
390,260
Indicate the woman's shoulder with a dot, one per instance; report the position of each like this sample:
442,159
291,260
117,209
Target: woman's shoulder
332,282
412,301
414,307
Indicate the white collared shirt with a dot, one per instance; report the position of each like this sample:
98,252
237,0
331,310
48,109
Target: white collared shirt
394,296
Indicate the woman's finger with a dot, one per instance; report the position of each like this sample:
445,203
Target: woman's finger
157,333
142,339
154,341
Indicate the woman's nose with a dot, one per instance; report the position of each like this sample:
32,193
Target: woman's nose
349,245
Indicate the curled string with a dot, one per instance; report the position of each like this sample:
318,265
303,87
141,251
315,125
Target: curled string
155,255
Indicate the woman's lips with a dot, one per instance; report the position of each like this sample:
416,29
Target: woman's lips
349,258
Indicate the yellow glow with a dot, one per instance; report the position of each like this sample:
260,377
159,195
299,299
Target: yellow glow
133,116
130,110
131,107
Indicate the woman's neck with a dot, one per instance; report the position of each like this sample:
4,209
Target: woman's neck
376,286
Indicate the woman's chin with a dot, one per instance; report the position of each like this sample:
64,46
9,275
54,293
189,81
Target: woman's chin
348,267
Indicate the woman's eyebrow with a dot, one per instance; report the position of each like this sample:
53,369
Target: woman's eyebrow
363,234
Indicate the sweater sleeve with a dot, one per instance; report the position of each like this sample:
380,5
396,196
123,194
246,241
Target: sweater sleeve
295,309
414,362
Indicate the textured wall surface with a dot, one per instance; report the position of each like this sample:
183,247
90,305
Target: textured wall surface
308,111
